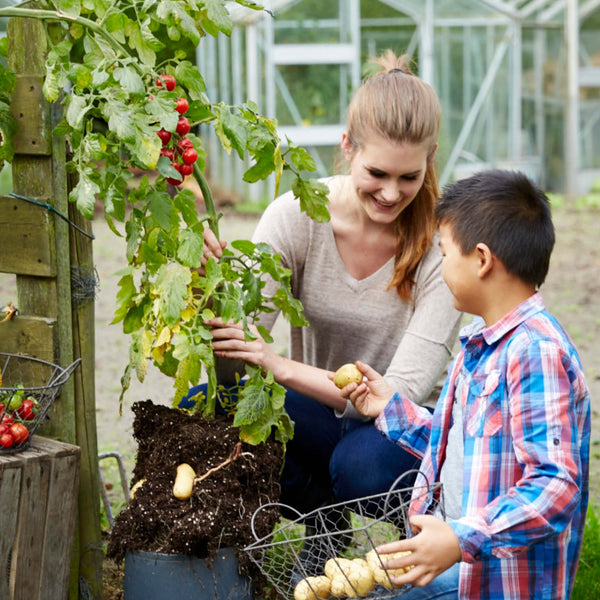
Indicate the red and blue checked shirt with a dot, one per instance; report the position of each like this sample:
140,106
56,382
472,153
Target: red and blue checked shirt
526,431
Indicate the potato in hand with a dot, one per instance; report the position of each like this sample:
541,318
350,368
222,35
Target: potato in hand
346,374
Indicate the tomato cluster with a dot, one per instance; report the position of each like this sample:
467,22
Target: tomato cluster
19,409
178,148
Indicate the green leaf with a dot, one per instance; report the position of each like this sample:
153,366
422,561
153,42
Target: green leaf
138,42
130,79
8,81
190,248
168,11
188,75
8,127
84,195
125,296
147,144
244,246
70,7
313,198
76,111
218,15
264,165
161,209
185,203
119,117
301,159
116,24
232,130
171,284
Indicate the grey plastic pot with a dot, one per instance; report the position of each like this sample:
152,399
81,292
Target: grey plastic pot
156,576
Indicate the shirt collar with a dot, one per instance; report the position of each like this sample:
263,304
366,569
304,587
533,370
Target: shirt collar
514,318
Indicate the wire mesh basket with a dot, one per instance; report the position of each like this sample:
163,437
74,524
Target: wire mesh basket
28,387
301,558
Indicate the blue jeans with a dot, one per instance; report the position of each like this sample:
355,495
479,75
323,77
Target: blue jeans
443,587
331,459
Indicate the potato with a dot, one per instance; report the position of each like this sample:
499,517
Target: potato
347,374
313,588
136,486
349,578
184,481
381,575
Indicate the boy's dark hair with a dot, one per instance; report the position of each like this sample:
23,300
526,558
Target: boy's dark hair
508,213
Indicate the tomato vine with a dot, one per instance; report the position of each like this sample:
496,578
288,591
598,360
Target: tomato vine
115,57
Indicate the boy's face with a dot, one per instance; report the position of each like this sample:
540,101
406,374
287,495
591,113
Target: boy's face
460,272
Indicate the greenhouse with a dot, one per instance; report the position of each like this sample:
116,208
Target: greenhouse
519,80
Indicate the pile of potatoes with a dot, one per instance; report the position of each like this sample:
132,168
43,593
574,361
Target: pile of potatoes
349,578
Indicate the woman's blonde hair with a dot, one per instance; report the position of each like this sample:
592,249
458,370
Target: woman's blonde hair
398,106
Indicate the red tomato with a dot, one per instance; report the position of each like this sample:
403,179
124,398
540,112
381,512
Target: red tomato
164,135
4,428
169,82
190,156
27,410
183,126
186,169
7,419
184,144
173,181
182,105
168,152
19,432
6,440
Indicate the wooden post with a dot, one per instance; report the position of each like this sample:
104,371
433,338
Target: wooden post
47,324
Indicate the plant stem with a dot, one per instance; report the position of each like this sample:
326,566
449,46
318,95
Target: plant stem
209,203
59,15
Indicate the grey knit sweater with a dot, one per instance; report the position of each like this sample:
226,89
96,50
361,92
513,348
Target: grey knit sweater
409,343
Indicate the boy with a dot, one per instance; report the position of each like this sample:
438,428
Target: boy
509,438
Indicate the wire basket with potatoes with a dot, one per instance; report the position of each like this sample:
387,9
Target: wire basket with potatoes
331,551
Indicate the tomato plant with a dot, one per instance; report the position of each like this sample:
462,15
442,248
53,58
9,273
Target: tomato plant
128,84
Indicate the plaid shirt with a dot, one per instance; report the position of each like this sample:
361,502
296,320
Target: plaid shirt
526,431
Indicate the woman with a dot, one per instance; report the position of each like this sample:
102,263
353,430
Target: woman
369,281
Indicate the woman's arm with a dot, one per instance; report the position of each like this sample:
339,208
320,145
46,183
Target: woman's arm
423,355
229,342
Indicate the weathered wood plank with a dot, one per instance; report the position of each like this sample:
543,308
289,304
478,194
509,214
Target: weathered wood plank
27,46
25,231
32,336
10,487
32,113
33,175
27,550
90,528
60,524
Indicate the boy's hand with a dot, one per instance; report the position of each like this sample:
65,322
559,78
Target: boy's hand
369,397
434,549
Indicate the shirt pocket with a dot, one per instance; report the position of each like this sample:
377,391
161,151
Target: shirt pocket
484,408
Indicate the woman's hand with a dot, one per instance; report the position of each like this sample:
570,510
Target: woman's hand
213,247
229,342
371,396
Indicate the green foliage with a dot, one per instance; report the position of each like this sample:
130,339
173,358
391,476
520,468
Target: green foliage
8,124
112,57
587,580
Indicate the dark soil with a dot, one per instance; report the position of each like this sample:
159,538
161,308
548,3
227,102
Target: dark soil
219,513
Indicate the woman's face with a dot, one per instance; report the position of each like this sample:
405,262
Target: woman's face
386,176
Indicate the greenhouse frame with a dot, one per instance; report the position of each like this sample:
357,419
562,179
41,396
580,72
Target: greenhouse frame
519,80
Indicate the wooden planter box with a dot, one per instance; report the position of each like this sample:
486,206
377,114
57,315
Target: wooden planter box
38,514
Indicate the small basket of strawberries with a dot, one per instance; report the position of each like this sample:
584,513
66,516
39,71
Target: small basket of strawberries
28,387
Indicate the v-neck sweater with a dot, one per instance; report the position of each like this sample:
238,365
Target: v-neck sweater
410,343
